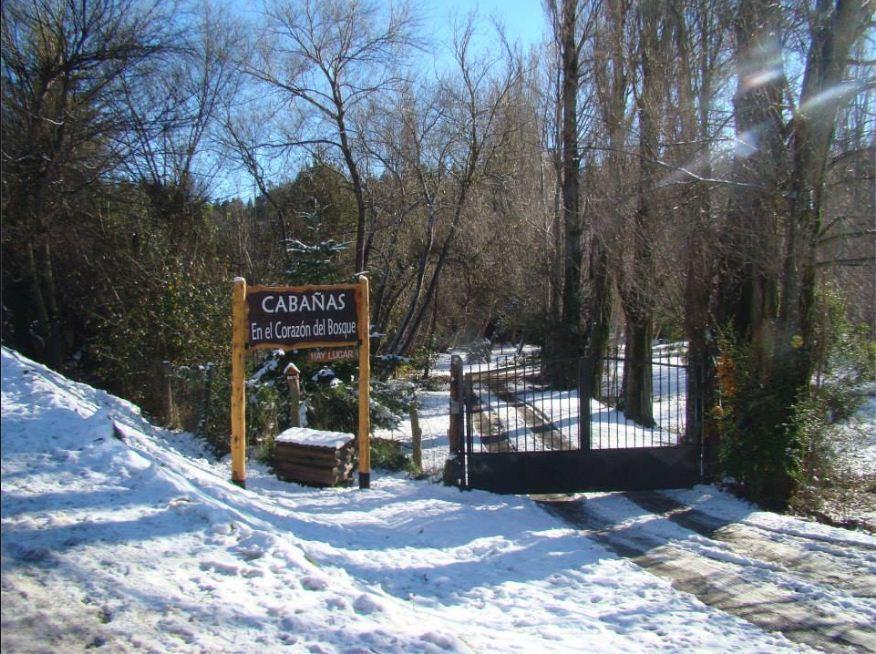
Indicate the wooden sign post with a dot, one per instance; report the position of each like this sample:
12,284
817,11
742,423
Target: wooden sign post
296,318
238,388
364,388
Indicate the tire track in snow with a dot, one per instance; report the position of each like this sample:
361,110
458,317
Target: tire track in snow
761,592
836,565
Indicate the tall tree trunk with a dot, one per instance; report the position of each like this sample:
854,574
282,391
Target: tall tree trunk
614,101
695,112
748,289
406,341
638,287
600,311
638,384
358,193
835,28
557,275
571,314
419,280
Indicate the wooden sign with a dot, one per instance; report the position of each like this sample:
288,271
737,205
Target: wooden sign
327,356
302,316
292,318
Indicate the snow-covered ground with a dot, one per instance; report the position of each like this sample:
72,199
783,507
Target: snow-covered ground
856,438
121,536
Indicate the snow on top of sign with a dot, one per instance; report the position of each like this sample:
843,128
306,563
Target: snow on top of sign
239,279
314,437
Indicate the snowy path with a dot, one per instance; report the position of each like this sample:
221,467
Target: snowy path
542,429
819,592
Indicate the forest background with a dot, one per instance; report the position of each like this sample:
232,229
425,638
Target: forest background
688,170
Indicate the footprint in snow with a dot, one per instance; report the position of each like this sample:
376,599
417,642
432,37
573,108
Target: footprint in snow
253,572
366,605
221,568
443,641
314,583
249,553
336,603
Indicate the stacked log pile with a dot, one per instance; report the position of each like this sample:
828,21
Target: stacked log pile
314,458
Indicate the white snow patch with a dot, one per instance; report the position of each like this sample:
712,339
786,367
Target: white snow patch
855,439
314,437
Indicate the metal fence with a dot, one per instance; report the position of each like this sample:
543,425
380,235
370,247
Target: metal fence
526,404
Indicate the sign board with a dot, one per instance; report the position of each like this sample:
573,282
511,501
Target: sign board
302,317
293,318
335,354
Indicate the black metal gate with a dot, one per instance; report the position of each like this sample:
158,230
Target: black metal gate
520,424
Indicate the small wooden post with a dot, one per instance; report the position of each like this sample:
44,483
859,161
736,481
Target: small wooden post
416,433
206,399
238,389
292,378
172,418
364,385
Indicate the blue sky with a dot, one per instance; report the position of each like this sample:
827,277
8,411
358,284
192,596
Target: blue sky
524,22
523,19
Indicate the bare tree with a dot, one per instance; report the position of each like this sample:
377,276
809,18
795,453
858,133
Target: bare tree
570,50
174,113
612,87
449,147
571,24
847,250
748,292
247,140
834,29
328,57
699,41
636,284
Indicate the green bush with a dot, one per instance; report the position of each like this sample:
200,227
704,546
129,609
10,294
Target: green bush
847,361
774,437
760,449
811,423
333,408
390,455
336,408
217,430
263,410
846,354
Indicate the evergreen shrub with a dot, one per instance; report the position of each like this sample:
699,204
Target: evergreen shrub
760,450
775,439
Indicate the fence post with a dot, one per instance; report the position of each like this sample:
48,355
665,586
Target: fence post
206,400
238,386
364,436
466,400
416,432
456,432
454,468
585,392
172,416
292,380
